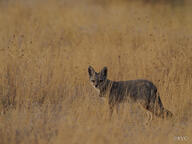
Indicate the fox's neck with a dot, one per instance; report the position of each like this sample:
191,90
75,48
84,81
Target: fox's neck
105,88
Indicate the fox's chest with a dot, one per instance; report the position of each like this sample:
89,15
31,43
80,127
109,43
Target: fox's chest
97,90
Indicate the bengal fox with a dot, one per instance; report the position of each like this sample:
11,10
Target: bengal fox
140,91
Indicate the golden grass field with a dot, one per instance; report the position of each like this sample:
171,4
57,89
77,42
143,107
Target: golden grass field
47,46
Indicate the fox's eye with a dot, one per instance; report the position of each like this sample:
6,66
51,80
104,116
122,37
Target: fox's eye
100,80
93,81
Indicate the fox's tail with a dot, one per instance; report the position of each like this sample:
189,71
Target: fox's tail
162,112
166,114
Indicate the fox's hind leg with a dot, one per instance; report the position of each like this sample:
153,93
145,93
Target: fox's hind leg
117,108
111,107
149,116
157,108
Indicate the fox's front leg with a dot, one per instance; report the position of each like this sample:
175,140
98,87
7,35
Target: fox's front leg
117,108
111,107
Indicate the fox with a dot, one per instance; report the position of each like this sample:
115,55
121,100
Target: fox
140,91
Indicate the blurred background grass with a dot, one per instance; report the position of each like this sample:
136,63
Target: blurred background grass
45,50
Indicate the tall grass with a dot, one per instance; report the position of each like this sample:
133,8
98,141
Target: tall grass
46,48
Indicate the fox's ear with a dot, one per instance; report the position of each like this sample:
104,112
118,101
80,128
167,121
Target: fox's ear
91,71
104,72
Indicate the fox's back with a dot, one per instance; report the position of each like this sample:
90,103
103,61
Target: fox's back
133,89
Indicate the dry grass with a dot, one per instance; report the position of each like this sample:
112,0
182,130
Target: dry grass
45,50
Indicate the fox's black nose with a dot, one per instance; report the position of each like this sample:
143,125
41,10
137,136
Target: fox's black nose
96,85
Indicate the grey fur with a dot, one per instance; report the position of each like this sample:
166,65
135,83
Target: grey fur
139,91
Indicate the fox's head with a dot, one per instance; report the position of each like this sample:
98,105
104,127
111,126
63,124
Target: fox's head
99,79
